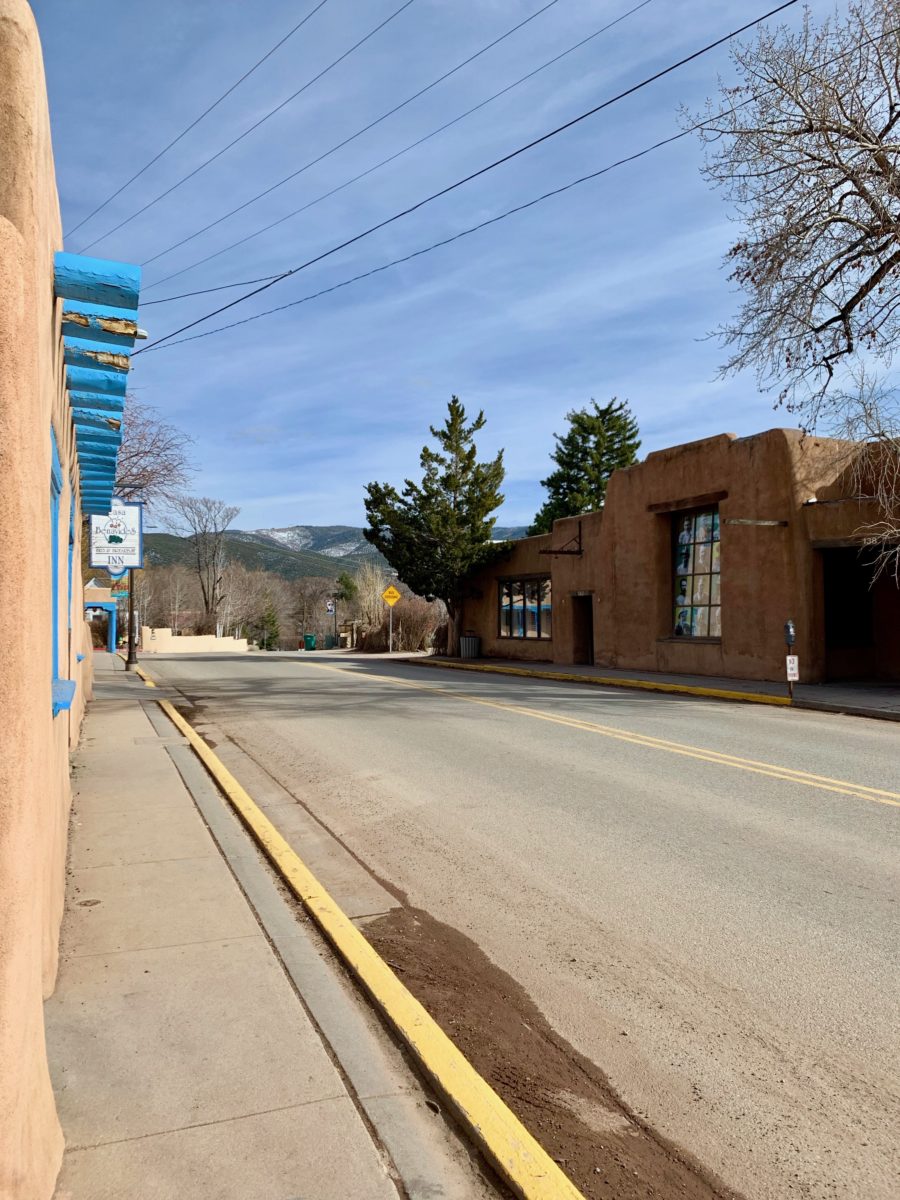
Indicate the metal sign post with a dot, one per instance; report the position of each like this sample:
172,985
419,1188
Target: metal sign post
792,662
131,660
390,596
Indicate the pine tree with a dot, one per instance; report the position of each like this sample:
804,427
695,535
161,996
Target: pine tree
436,532
598,442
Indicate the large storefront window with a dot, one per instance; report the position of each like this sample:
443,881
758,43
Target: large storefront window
696,565
525,608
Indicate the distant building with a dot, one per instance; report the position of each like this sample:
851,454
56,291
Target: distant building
700,555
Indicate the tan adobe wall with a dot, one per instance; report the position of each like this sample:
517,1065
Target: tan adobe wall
480,609
769,571
34,780
164,641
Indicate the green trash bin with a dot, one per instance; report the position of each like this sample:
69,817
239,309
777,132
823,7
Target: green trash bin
309,641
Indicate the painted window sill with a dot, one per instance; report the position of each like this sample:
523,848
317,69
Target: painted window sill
63,694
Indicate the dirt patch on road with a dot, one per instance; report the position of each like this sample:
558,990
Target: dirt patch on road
560,1096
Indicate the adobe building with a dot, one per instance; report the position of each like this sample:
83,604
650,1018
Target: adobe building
699,557
66,324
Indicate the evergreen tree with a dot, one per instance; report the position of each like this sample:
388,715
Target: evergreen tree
267,629
436,532
598,442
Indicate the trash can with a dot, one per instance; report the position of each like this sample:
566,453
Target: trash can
309,641
329,641
469,646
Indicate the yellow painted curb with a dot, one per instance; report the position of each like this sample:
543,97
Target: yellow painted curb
647,685
524,1164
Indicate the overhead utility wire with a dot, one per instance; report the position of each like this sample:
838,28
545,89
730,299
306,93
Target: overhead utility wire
396,262
490,220
385,161
223,287
352,137
271,113
187,129
468,178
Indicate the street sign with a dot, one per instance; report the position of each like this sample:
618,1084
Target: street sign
390,595
117,539
793,668
329,607
119,595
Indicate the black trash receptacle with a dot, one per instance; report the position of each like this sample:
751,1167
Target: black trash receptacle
469,646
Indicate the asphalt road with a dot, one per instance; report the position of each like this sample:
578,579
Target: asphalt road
690,909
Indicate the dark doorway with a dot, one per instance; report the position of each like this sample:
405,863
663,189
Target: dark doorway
583,629
862,618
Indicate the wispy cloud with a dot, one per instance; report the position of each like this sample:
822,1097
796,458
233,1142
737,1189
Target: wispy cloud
607,290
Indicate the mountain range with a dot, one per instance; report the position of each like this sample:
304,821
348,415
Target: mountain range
293,552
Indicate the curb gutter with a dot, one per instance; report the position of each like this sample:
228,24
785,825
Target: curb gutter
647,685
521,1161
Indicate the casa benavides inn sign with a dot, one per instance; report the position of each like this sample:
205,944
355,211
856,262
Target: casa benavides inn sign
117,540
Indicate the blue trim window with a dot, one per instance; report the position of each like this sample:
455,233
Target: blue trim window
63,690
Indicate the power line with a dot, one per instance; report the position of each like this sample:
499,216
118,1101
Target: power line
384,162
437,245
474,175
353,136
223,287
187,129
271,113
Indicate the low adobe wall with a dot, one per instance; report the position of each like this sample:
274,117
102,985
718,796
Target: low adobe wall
164,641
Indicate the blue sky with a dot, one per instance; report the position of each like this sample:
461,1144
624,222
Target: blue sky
607,290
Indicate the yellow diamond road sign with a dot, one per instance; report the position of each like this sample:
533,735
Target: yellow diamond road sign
390,595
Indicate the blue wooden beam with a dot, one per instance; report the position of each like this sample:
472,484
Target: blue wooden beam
87,434
96,280
95,419
105,382
114,405
80,352
114,326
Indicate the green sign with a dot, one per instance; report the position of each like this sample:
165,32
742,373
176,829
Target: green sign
119,595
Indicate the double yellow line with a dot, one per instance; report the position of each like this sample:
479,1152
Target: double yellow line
772,770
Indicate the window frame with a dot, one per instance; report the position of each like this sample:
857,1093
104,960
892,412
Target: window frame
678,519
508,587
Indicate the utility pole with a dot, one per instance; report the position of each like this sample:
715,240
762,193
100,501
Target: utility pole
131,660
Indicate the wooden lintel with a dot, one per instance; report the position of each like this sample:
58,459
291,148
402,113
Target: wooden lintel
687,502
753,521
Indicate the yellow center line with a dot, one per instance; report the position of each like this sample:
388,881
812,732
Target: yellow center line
772,770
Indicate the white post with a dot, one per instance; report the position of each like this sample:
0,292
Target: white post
391,629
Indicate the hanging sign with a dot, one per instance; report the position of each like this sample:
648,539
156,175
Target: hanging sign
117,539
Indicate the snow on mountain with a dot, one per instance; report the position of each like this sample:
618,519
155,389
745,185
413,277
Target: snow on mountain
336,541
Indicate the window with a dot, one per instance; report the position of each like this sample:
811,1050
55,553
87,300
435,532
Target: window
525,608
695,567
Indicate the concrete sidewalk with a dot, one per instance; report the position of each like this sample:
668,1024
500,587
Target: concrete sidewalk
863,700
183,1060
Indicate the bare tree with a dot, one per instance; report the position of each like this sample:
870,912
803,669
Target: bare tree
806,147
203,522
153,463
867,419
371,580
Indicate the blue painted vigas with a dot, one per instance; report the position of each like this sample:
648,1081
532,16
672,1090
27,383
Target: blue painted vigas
112,326
96,280
101,382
